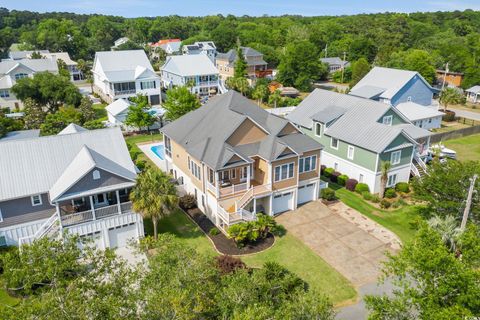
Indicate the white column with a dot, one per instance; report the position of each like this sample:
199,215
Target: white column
254,205
271,205
57,207
248,177
92,207
117,193
217,184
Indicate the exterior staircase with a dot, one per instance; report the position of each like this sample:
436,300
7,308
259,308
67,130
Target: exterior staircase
51,228
221,87
252,192
418,168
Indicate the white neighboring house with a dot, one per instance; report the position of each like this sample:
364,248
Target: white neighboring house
77,181
117,113
207,48
124,74
119,42
75,74
13,70
421,116
473,94
197,70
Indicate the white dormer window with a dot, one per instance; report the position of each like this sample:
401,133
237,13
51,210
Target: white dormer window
318,129
409,98
350,153
36,200
96,175
334,143
396,157
19,76
387,120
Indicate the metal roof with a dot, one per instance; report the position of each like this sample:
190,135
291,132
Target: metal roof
22,134
124,65
190,65
72,128
118,106
414,111
474,89
205,131
334,61
33,166
367,91
393,80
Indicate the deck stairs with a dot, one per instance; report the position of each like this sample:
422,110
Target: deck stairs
51,229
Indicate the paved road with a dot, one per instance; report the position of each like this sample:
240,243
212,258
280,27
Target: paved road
467,114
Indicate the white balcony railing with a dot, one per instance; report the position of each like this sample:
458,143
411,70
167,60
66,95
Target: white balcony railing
230,218
100,213
234,188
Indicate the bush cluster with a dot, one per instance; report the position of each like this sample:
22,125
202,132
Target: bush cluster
214,231
449,116
351,184
328,194
228,264
367,195
334,176
362,187
385,204
249,232
187,202
342,179
402,187
322,168
390,193
328,172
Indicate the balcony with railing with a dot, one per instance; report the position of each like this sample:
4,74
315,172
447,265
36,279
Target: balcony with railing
69,219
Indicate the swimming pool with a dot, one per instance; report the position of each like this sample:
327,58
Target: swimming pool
159,151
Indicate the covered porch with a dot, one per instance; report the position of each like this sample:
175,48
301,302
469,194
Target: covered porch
92,207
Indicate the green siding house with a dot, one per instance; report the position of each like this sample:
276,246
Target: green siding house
359,134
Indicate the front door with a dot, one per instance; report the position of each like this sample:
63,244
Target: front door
100,200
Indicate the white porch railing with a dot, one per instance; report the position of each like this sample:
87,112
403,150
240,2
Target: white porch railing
252,192
235,217
103,212
234,188
79,217
106,211
50,226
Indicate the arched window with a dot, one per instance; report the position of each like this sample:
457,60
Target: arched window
96,175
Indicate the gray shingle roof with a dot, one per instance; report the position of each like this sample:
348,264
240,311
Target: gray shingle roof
36,65
33,166
359,123
204,132
231,55
334,61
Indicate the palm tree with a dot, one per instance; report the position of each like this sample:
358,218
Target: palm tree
86,68
448,229
242,85
231,83
385,168
154,196
450,96
275,98
259,93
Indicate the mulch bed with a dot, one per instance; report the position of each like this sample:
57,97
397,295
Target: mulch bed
222,243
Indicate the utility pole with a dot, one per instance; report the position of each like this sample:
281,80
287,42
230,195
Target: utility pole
326,50
343,64
445,76
466,212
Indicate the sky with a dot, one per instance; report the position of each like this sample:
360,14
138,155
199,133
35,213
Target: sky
137,8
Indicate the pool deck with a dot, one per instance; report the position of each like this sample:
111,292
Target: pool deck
152,156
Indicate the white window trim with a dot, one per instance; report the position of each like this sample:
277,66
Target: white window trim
280,174
96,175
331,143
301,169
389,122
388,180
1,216
33,202
316,125
399,152
352,148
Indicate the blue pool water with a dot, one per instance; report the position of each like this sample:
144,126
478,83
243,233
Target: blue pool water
159,151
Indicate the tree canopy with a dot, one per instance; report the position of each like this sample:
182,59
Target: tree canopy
179,101
138,115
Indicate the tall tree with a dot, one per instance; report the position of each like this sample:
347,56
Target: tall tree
359,69
275,98
385,169
86,108
48,89
138,115
56,122
154,196
259,93
34,114
179,101
240,64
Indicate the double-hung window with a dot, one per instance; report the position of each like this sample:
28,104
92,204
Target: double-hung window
284,172
147,85
36,200
307,164
396,157
350,152
194,169
387,120
318,129
392,180
4,93
334,143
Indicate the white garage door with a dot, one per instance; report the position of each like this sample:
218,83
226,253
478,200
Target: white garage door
282,202
94,240
120,236
306,193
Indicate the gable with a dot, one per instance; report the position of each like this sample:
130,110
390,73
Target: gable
288,129
416,90
247,132
234,159
396,118
87,182
285,153
20,69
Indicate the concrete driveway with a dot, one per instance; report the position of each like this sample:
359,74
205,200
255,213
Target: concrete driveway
349,242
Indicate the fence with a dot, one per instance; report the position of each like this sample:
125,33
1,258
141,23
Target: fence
435,138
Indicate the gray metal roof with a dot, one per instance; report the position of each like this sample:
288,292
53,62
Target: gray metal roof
36,65
414,131
125,65
72,128
204,132
22,134
190,65
393,80
231,55
358,125
367,91
33,166
474,89
16,55
334,61
414,111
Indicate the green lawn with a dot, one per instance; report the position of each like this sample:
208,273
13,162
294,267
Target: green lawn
398,221
180,225
5,298
100,112
298,258
467,148
143,138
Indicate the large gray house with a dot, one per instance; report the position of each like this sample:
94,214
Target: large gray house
77,181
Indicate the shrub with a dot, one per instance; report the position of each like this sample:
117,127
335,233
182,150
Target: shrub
342,179
252,231
402,187
334,176
390,193
322,169
375,198
188,201
141,164
362,187
400,202
214,231
240,233
449,116
328,172
367,195
328,194
385,204
228,264
134,154
351,184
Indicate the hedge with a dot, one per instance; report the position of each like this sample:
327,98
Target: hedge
449,116
334,176
351,184
402,187
390,193
342,179
361,187
328,194
328,172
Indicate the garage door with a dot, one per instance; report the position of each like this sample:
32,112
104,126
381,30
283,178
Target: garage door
120,236
282,202
306,193
94,240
